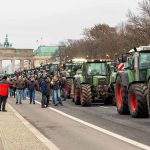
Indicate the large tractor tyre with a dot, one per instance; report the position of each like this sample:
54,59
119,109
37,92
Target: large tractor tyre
121,97
77,96
85,95
138,101
69,85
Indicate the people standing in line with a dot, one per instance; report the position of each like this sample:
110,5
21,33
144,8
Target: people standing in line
4,85
55,84
48,91
44,92
19,89
63,87
32,87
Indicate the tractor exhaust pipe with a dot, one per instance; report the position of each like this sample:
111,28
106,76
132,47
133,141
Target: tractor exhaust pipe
136,65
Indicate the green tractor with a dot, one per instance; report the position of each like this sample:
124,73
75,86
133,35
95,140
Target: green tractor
92,85
70,70
133,84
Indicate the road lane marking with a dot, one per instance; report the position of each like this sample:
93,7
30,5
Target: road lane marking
104,107
117,136
38,134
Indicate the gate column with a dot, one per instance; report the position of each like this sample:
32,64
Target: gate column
22,64
13,65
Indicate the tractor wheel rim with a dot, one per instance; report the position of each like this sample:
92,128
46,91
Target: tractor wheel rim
133,101
119,96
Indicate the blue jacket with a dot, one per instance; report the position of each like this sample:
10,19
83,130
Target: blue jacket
43,87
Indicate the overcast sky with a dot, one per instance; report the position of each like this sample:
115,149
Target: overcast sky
26,21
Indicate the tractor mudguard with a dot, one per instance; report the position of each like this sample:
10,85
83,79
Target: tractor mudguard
124,78
135,82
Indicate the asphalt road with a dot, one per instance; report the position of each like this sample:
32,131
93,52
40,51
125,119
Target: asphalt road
68,134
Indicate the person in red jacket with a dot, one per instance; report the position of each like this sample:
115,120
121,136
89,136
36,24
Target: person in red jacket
4,85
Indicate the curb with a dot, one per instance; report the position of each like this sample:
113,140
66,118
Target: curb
37,133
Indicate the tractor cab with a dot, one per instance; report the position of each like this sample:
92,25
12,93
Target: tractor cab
139,63
95,72
73,66
133,84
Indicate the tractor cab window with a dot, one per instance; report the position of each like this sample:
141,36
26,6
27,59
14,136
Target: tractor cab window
96,69
144,60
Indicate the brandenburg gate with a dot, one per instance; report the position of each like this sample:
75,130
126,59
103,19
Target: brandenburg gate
7,52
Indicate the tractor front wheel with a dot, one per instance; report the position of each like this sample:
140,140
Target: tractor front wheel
137,98
121,97
86,95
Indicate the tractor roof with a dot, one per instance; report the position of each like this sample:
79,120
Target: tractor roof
77,60
140,49
97,61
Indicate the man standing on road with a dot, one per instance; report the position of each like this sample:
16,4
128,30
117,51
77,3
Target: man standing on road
32,86
4,85
44,92
56,90
19,90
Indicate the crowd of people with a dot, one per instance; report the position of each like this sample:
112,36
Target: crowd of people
52,88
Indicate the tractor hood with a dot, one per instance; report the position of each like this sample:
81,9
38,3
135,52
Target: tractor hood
97,80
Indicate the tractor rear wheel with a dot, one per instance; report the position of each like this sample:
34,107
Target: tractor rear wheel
121,97
138,101
86,95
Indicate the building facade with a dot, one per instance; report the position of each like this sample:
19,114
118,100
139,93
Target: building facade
45,54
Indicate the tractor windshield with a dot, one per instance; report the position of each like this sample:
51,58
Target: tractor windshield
73,67
144,60
96,69
68,67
